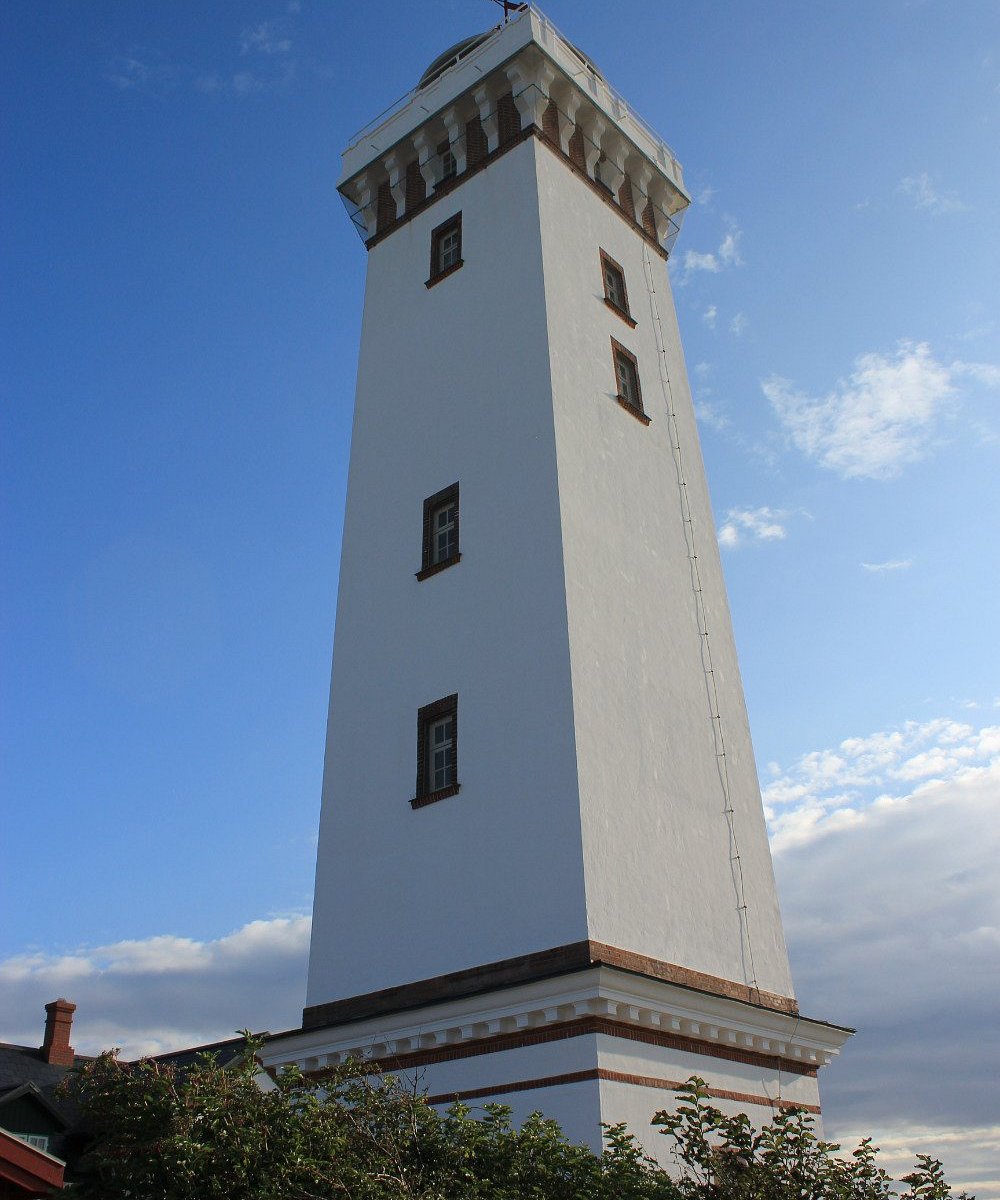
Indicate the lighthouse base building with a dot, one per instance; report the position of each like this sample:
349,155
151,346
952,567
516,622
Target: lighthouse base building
543,875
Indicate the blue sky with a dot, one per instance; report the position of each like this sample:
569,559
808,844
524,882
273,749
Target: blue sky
179,326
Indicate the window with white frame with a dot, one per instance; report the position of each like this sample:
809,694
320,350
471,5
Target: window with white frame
629,393
615,292
437,751
441,532
446,248
445,522
441,753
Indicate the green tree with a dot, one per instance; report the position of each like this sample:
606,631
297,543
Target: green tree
207,1132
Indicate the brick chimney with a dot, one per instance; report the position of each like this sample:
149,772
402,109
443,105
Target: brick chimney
58,1023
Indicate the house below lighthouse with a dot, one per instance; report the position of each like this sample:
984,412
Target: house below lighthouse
543,875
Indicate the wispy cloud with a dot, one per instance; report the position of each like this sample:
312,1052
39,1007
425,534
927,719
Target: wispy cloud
268,42
925,196
711,415
827,789
162,993
892,564
753,525
266,38
984,373
695,260
709,316
141,71
876,421
738,325
727,255
729,248
705,195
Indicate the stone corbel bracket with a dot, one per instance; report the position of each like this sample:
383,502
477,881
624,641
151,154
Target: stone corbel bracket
557,92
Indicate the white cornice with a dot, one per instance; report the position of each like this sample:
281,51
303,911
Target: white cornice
600,991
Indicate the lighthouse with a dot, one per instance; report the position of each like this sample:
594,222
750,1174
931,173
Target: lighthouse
543,875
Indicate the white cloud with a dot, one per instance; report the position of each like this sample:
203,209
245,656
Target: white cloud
729,249
984,373
711,415
969,1155
752,524
705,195
709,315
738,325
921,190
695,261
727,255
885,851
162,993
873,423
862,772
265,38
893,564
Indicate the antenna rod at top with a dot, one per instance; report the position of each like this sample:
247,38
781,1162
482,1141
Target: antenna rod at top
508,7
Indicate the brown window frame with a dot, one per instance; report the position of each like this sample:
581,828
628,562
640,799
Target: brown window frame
608,262
447,706
637,411
432,505
437,236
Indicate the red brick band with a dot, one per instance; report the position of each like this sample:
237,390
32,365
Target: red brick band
649,1081
527,968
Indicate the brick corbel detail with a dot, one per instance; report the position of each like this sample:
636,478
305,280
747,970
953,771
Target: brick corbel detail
395,166
486,98
454,119
661,201
567,105
365,189
426,148
613,165
594,129
531,82
641,175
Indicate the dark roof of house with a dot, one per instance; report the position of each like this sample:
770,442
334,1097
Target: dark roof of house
20,1065
225,1053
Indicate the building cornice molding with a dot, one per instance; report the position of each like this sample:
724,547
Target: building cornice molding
549,86
550,996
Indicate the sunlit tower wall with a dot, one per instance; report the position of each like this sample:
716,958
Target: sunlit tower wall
543,874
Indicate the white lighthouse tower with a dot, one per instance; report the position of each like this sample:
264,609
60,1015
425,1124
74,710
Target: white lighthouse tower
543,873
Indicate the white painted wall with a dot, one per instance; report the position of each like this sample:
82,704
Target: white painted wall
453,384
569,629
655,835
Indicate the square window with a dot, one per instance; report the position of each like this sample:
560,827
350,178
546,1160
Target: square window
615,292
629,393
440,540
446,249
437,751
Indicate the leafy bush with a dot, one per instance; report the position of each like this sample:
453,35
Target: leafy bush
205,1132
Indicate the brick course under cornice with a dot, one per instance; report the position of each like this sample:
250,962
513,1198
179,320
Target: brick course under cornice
527,968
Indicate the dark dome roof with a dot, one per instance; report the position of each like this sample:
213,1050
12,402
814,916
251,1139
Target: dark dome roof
451,56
